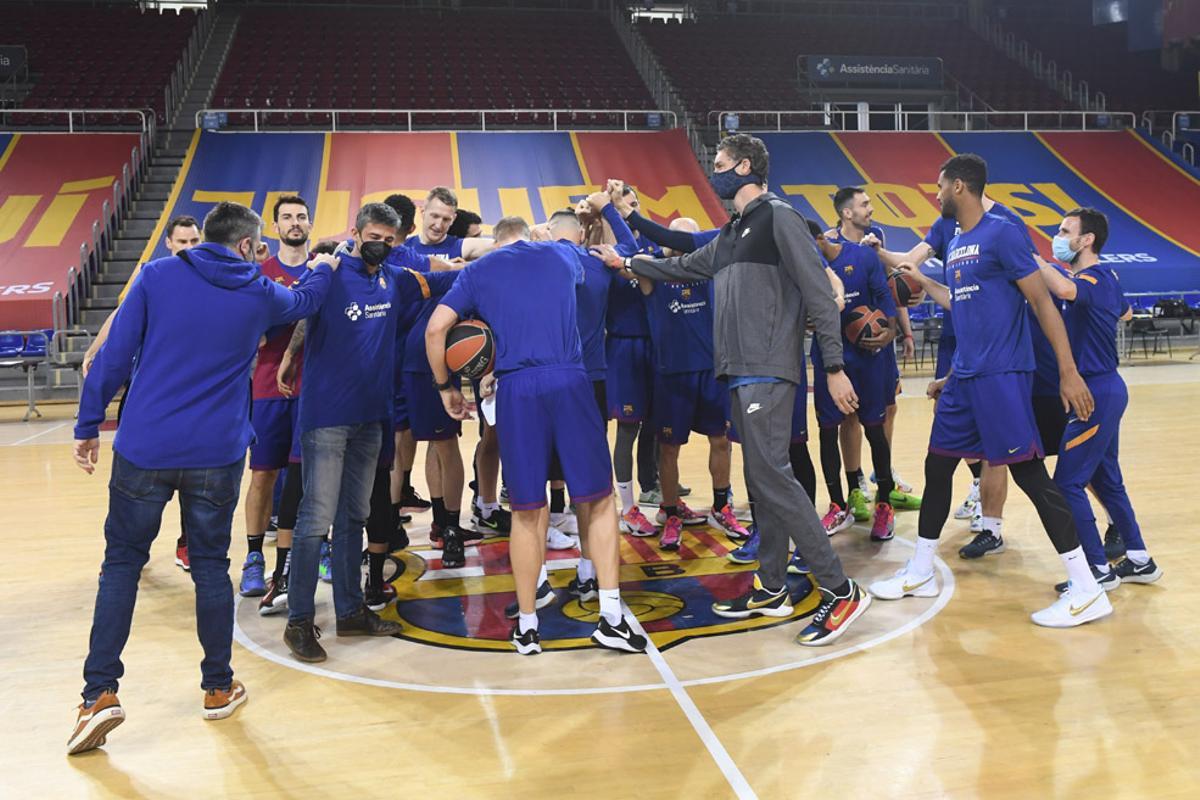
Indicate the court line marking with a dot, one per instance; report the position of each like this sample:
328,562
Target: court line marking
943,599
27,439
737,781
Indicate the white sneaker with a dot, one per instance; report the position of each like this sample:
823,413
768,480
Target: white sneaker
1074,608
970,504
977,519
900,483
905,584
867,488
557,540
565,522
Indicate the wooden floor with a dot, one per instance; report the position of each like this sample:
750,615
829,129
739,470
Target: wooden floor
961,697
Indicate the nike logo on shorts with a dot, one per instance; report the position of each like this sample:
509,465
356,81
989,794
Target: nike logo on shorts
1013,450
750,409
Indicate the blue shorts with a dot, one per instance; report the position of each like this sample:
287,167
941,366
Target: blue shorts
893,373
689,401
874,381
400,407
945,356
427,416
542,411
630,381
275,424
988,416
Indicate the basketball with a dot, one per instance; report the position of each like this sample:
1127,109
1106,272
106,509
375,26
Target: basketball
864,322
470,349
906,289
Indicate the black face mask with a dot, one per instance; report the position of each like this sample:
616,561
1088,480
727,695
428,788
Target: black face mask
374,253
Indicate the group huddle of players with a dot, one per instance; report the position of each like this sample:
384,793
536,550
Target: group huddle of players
647,349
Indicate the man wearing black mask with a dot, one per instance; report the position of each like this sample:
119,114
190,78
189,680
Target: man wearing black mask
345,408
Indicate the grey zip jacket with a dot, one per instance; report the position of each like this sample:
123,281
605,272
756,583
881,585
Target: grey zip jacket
768,278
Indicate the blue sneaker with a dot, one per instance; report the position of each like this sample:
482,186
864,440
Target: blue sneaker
254,582
324,569
797,566
747,553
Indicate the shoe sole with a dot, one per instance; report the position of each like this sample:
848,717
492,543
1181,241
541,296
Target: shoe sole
797,571
253,593
182,566
778,613
1075,622
379,634
632,531
278,607
670,548
713,522
732,560
96,732
226,711
995,551
480,527
835,635
1144,579
528,649
846,524
378,606
615,643
306,659
920,591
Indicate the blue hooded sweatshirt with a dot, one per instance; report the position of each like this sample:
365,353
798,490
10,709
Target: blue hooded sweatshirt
192,322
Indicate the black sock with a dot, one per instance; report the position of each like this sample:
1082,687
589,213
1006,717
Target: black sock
935,497
854,480
843,590
406,485
375,568
976,469
255,543
182,540
439,511
451,518
720,498
881,460
558,501
670,511
831,466
281,554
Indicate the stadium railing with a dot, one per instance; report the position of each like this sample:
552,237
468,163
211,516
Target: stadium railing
907,119
1179,121
410,119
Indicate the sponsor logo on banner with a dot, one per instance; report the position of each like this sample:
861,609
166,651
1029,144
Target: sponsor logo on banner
875,71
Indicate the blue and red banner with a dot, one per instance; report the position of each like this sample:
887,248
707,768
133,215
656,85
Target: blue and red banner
52,188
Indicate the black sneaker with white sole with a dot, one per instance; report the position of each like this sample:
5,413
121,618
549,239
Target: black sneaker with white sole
545,597
453,555
1114,544
618,637
1107,580
584,590
1130,572
527,643
498,523
985,543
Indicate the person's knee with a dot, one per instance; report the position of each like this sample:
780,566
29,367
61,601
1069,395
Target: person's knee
719,445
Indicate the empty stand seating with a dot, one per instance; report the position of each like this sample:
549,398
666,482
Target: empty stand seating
84,56
369,59
698,56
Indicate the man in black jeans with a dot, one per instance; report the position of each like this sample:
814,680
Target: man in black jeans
768,277
194,321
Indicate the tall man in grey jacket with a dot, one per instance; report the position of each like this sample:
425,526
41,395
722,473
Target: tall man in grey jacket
768,278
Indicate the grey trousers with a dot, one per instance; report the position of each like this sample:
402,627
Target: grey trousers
762,414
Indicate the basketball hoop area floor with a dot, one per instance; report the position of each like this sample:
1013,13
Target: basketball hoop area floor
954,696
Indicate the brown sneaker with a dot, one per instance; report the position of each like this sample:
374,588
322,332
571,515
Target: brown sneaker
366,623
221,703
93,725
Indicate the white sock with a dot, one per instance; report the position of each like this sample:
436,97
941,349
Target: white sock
922,561
1102,568
1139,557
974,493
1079,572
610,605
625,492
527,622
485,509
542,575
586,570
993,524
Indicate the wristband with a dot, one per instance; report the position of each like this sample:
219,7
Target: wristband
833,370
441,387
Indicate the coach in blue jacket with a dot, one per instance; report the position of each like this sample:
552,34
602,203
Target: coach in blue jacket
188,332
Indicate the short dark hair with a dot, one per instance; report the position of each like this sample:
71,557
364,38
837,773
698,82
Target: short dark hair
511,226
462,222
563,214
443,194
1094,222
288,200
228,223
968,168
182,221
814,228
405,208
743,145
844,197
327,247
377,213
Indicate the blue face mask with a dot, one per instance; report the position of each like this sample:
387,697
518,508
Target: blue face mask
727,183
1062,249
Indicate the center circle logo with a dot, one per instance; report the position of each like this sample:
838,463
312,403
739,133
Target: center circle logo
455,629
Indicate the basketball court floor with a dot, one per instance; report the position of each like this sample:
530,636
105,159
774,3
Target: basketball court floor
955,696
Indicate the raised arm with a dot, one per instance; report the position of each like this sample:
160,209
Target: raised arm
289,305
919,254
1059,284
700,265
938,292
443,319
475,247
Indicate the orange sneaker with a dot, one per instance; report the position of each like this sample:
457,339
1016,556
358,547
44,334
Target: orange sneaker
93,724
221,703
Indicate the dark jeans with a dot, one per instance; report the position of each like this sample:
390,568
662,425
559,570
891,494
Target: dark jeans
339,471
136,498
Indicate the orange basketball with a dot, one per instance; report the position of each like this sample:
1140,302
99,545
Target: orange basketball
470,349
864,322
906,290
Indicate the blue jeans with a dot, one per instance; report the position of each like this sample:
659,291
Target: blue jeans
338,465
136,498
